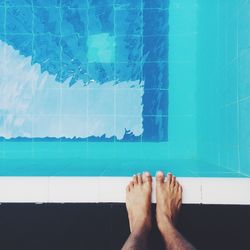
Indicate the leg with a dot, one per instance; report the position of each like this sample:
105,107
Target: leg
138,203
169,198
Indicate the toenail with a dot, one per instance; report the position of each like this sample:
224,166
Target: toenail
159,173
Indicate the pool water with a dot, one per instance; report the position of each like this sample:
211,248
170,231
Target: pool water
115,87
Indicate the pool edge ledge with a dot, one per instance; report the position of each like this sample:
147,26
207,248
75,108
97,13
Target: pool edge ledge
112,190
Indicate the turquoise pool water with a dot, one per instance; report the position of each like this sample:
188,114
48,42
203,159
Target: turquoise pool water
192,118
101,159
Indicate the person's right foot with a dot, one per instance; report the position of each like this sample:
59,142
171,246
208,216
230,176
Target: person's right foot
168,200
138,202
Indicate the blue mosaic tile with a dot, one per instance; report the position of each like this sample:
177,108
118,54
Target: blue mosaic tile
73,71
128,22
71,46
128,49
46,20
23,43
52,67
74,21
75,3
156,4
18,3
2,13
103,3
128,4
155,102
18,20
155,75
130,137
159,26
101,20
101,40
46,3
46,47
101,48
129,71
155,48
101,72
152,124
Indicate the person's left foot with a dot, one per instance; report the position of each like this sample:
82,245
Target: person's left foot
168,200
138,202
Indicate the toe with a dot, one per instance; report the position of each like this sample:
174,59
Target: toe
128,188
135,179
169,178
159,177
173,181
179,193
176,188
179,205
180,190
139,178
146,177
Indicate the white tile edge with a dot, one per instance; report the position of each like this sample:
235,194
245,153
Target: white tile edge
112,189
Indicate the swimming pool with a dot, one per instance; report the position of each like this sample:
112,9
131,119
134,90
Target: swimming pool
112,88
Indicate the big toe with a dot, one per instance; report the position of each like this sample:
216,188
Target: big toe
160,178
146,177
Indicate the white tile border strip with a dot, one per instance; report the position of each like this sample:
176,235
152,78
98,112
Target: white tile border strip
112,189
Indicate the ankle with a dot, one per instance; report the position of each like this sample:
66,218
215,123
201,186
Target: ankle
141,230
164,223
142,225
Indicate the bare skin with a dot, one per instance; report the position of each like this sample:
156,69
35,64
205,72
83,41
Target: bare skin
169,199
168,204
138,203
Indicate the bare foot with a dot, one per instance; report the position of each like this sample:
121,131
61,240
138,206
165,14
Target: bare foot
138,202
168,200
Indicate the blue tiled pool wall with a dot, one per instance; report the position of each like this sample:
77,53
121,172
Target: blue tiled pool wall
224,93
182,136
178,154
206,136
63,37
